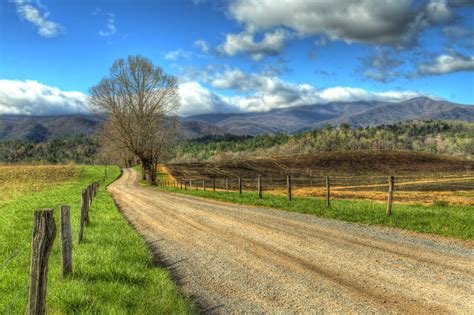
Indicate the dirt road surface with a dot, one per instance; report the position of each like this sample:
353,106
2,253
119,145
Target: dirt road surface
233,259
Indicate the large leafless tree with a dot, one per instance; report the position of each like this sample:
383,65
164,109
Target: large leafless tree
138,99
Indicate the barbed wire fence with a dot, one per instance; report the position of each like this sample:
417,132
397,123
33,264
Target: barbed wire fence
409,189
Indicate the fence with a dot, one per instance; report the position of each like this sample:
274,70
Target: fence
408,189
44,234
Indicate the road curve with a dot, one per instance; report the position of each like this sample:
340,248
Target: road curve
232,259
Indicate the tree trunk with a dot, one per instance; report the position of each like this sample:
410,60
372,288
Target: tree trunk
143,172
149,170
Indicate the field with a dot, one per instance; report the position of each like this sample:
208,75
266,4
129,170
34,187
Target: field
420,178
113,269
433,194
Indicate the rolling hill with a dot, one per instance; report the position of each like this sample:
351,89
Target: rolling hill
287,120
304,118
36,128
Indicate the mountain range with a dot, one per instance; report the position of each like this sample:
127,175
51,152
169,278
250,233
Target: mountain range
287,120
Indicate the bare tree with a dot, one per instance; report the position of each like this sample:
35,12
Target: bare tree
112,152
138,99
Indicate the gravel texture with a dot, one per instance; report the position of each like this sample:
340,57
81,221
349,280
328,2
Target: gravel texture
241,259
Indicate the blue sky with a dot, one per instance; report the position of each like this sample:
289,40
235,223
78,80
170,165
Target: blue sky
238,55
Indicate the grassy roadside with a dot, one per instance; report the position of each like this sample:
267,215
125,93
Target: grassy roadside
454,221
113,268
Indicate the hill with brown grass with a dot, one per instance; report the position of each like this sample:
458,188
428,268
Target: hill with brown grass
368,162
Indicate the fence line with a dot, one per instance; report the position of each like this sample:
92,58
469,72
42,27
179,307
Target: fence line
334,187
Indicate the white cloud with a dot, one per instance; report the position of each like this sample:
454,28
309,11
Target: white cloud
271,44
266,92
46,28
196,99
234,79
179,54
447,64
380,22
202,45
34,98
110,27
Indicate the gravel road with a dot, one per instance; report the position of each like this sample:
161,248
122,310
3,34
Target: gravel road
241,259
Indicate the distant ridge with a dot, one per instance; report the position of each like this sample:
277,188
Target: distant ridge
302,118
287,120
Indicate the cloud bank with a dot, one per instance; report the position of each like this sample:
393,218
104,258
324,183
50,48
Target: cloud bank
263,93
375,22
381,22
34,98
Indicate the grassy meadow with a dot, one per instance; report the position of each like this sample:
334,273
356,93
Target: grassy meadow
113,270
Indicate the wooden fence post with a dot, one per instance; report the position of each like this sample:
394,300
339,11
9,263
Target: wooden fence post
328,191
226,184
44,233
259,186
185,185
214,184
391,184
87,206
89,197
83,216
204,184
288,185
66,240
240,186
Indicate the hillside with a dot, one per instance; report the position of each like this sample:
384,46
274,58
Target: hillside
43,128
419,108
302,118
367,162
285,120
16,127
442,137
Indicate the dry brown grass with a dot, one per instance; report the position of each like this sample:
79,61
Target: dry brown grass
18,179
421,178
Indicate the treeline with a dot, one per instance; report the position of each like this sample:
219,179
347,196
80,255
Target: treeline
443,137
79,149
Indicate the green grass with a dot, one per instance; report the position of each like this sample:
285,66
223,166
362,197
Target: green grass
113,267
455,221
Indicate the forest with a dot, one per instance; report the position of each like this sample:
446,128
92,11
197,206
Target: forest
443,137
78,149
